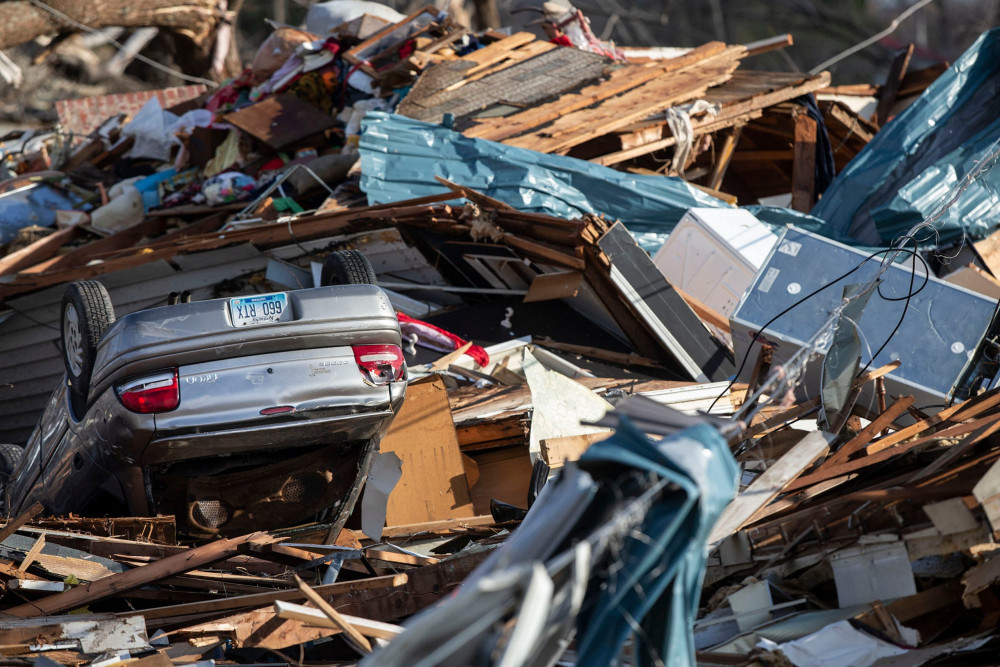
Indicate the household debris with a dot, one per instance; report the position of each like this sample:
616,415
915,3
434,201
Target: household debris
763,440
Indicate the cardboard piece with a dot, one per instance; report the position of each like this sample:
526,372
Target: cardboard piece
433,486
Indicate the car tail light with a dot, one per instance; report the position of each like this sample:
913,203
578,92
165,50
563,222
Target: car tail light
380,364
151,393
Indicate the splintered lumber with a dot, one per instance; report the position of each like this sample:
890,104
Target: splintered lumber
263,629
135,578
359,627
344,624
92,633
38,251
193,609
24,517
855,444
985,426
36,548
766,487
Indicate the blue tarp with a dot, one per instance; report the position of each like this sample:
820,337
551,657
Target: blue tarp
400,158
912,167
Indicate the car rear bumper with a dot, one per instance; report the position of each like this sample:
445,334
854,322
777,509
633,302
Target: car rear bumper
302,432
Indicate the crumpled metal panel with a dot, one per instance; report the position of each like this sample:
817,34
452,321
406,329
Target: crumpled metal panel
400,158
913,166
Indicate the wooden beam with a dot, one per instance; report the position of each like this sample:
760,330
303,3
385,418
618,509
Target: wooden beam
40,250
317,618
36,549
135,578
769,44
384,584
338,620
887,96
724,157
24,517
804,164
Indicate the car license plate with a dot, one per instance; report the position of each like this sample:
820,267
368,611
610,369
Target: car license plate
245,311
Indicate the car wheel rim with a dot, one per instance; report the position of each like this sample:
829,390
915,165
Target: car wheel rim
73,340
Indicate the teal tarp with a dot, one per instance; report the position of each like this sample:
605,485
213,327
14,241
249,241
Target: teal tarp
913,166
400,158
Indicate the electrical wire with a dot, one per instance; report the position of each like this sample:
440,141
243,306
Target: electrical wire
93,31
761,329
871,40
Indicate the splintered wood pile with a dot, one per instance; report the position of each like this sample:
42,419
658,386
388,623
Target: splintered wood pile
72,594
551,99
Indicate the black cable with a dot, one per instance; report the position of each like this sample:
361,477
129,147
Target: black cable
906,305
760,330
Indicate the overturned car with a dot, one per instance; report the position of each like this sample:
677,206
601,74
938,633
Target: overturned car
234,414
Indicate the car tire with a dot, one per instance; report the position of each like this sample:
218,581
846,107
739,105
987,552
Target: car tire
347,267
10,457
86,314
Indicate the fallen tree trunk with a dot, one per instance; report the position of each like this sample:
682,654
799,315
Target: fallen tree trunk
21,21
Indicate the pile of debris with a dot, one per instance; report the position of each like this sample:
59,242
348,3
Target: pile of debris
642,424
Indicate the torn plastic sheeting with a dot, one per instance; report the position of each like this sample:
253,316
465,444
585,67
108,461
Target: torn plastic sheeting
400,158
33,204
915,163
837,645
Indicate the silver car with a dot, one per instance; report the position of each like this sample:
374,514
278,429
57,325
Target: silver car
234,414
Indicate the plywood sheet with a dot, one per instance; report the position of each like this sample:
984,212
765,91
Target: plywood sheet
433,486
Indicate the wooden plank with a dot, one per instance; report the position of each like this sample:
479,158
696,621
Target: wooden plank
386,583
701,127
439,527
886,454
36,548
804,164
988,251
556,451
769,44
958,412
497,51
890,89
131,579
343,624
855,444
546,253
549,286
316,618
425,586
433,485
40,250
766,487
724,157
24,517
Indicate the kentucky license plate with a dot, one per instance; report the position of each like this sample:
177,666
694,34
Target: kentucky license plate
245,311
